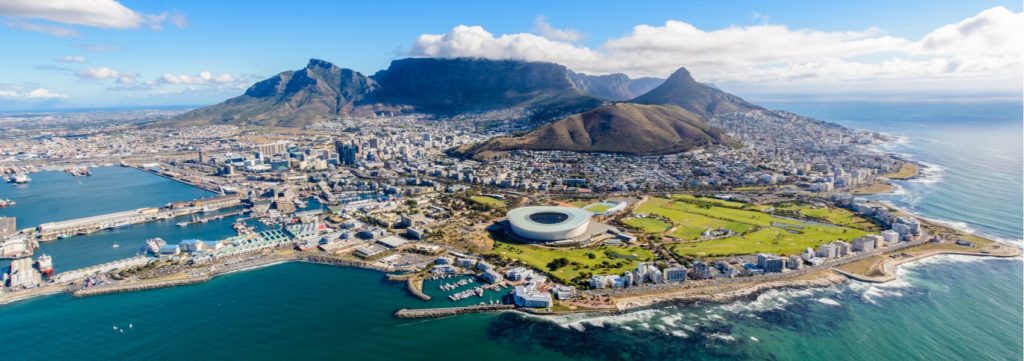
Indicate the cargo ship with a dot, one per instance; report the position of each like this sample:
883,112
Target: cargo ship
45,264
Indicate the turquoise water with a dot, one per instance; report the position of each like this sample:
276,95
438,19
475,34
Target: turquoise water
287,312
942,308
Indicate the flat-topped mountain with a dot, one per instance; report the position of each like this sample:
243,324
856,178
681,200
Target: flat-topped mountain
682,90
446,86
613,128
423,85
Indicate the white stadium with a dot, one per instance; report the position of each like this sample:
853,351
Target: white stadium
549,223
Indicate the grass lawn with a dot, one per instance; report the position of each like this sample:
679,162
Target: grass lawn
607,259
756,218
579,204
907,170
768,240
597,207
648,225
866,267
756,231
716,201
689,224
833,215
488,201
874,188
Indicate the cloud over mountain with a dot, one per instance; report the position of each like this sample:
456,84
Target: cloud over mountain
980,52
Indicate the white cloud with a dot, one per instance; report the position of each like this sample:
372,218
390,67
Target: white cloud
542,27
36,93
206,78
58,31
474,41
978,53
107,14
71,59
105,73
996,32
40,93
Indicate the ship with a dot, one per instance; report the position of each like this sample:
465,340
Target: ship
153,245
7,203
78,171
45,264
20,179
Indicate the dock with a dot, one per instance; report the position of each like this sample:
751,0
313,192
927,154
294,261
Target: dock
53,230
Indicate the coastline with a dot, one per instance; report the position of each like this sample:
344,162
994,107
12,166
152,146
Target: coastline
818,279
713,293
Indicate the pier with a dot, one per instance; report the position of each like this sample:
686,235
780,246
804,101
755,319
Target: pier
211,218
53,230
176,177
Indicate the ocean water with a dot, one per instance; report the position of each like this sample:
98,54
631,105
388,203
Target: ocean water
974,153
949,307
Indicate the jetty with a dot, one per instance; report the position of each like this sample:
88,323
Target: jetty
449,311
136,286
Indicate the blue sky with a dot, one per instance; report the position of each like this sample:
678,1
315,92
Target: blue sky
125,61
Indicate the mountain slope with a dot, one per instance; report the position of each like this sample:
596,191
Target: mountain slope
615,87
614,128
423,85
291,98
683,91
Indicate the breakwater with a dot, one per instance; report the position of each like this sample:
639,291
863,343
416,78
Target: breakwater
448,311
415,287
136,286
343,263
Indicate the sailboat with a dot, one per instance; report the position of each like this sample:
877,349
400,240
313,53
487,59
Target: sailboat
116,245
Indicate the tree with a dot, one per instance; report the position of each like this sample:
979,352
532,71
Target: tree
557,263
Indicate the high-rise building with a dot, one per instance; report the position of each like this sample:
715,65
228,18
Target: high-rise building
864,244
890,236
795,263
770,263
675,274
348,153
275,148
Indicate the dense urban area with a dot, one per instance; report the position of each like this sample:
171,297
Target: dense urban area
780,210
